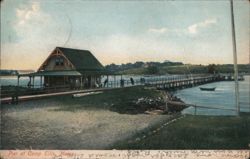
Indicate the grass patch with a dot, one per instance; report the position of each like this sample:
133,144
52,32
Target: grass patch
197,132
118,100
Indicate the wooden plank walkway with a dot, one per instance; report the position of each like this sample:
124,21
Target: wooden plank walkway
164,83
183,82
30,97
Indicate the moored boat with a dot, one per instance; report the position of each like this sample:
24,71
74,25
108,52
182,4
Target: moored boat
207,89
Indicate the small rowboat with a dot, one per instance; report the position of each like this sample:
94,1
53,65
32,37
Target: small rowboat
207,89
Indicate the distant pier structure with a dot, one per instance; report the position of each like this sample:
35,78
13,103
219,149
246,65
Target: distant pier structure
191,81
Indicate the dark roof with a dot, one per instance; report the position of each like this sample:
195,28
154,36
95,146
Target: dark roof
82,59
68,73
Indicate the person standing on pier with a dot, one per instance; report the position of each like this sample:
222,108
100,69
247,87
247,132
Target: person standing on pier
105,82
132,81
122,82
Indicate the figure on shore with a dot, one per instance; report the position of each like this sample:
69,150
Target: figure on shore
122,82
29,84
132,81
105,82
98,84
14,99
142,80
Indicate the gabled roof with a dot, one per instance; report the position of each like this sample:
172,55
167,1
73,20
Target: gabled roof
81,59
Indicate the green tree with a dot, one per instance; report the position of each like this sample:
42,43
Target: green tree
211,68
152,70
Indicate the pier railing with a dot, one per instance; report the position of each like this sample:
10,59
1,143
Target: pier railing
218,108
162,82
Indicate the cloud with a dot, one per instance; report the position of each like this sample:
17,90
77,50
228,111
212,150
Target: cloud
37,34
34,25
158,30
190,30
25,14
31,21
193,29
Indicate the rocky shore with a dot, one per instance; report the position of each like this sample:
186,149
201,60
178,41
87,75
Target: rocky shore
158,105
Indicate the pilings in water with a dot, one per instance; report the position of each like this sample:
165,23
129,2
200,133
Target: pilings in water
231,77
184,83
190,82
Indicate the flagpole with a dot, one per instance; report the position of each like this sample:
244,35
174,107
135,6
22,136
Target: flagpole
235,61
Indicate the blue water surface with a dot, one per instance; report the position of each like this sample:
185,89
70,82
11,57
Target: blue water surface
222,97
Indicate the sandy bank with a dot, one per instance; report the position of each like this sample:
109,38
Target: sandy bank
39,125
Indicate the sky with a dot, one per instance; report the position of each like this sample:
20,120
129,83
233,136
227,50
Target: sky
192,31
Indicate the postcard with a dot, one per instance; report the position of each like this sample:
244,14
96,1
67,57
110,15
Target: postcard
125,79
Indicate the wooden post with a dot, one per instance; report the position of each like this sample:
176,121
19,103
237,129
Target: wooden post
166,108
122,82
33,81
15,96
108,80
81,82
237,104
41,80
29,84
48,81
18,80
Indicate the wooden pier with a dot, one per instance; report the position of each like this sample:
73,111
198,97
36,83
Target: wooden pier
167,83
183,82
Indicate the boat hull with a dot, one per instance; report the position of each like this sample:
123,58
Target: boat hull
207,89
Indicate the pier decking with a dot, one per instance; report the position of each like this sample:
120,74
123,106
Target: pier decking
183,82
167,83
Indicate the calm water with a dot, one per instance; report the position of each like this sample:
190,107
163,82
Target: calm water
23,81
222,97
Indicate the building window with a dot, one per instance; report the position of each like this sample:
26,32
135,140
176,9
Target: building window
59,61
